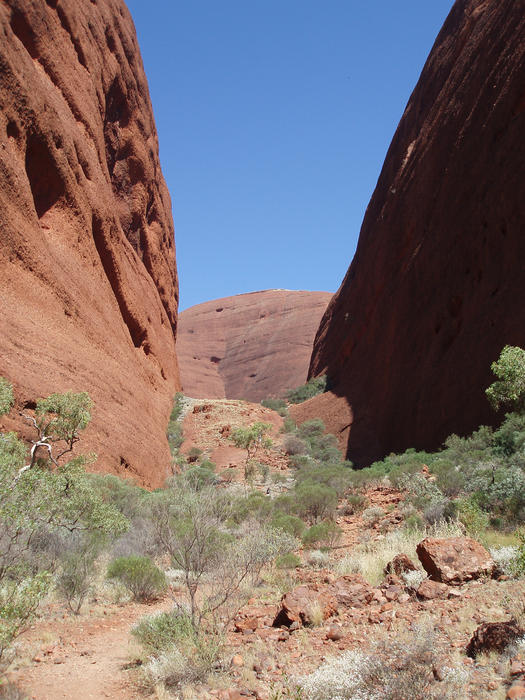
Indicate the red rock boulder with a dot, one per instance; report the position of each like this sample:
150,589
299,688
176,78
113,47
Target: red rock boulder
301,604
454,560
345,592
493,636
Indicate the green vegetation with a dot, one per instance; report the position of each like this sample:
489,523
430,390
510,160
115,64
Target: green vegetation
144,580
174,430
316,385
509,390
48,509
278,405
252,439
479,479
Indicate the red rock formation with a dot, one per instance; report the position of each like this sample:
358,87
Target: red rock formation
87,261
437,284
250,346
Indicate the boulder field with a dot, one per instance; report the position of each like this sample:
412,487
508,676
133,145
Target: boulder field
437,284
250,346
87,256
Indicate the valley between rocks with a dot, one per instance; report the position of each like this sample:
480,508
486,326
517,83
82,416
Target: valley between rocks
94,656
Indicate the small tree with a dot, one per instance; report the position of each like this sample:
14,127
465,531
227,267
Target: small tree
252,439
35,500
510,389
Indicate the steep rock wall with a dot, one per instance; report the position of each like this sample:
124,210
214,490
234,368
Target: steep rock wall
87,261
250,346
437,284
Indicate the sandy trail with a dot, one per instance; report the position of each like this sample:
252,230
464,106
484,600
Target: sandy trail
87,658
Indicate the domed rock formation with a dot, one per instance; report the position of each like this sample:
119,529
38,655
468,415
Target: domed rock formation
437,284
250,346
87,259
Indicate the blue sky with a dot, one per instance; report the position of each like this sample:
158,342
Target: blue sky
274,118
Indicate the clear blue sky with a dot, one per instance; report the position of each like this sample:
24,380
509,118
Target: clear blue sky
274,118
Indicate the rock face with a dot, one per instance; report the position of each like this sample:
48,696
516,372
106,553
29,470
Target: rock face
437,284
87,260
251,346
454,560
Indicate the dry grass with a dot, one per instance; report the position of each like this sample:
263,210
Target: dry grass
370,558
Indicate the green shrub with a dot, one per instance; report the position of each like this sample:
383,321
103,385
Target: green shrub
144,580
287,561
316,385
289,523
315,501
278,405
6,396
293,445
174,430
289,425
356,502
325,534
157,633
76,578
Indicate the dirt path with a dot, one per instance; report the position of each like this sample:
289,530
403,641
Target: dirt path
87,657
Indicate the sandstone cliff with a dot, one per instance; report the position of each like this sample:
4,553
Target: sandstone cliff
437,284
87,260
250,346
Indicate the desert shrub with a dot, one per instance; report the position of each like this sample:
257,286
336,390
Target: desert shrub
413,579
423,493
316,385
395,669
77,576
325,534
252,438
509,438
159,632
139,539
19,601
315,501
317,559
293,445
472,517
144,580
311,429
199,531
199,476
355,503
10,691
289,426
174,429
519,566
254,505
291,524
372,515
506,559
7,398
278,405
287,561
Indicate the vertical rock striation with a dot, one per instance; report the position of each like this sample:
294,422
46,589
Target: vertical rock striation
437,285
87,258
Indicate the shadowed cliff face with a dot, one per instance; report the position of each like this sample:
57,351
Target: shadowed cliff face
437,284
87,259
250,346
